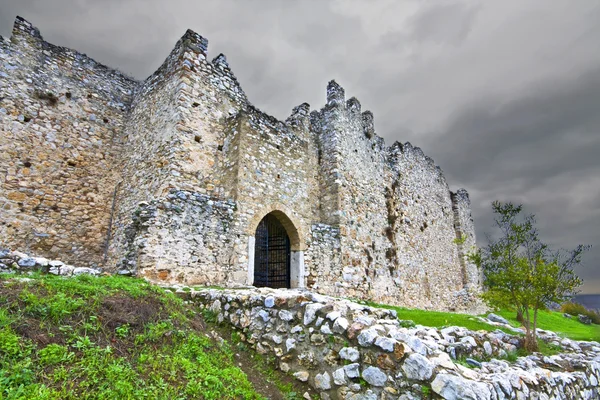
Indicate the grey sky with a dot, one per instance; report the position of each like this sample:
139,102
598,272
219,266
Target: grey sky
503,94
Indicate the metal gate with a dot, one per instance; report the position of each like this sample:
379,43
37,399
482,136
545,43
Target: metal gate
271,254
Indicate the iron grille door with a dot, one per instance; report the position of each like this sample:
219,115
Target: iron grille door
271,254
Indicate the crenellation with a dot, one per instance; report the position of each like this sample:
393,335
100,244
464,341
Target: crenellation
353,106
368,124
172,178
335,94
23,27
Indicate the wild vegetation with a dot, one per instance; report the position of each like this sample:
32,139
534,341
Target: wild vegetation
576,309
113,337
522,272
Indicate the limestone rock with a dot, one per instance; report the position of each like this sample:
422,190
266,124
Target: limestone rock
496,318
340,325
417,367
349,353
352,370
339,377
310,313
385,343
374,376
26,262
323,381
367,337
302,376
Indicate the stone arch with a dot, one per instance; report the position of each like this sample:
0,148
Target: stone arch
295,232
293,226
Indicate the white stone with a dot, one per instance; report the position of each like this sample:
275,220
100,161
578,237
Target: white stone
290,344
487,347
367,337
333,315
285,315
340,325
443,360
264,315
339,377
41,261
417,367
310,313
469,340
269,301
385,343
302,376
85,270
452,387
352,370
374,376
349,353
277,339
323,381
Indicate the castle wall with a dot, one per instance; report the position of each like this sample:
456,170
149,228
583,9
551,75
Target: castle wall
176,172
429,266
356,177
465,233
399,225
61,122
151,139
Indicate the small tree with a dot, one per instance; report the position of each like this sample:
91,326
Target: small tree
522,272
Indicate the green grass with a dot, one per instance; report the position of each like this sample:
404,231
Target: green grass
556,322
105,338
553,321
439,319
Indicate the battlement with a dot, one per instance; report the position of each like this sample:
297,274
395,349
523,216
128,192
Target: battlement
23,27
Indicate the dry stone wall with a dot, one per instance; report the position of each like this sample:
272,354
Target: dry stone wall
347,350
170,176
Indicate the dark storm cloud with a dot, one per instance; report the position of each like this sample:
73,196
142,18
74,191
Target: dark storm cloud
446,23
504,95
542,150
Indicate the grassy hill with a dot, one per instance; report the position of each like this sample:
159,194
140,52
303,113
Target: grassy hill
116,337
549,320
119,338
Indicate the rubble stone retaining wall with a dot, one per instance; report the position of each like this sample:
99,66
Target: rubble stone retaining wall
347,350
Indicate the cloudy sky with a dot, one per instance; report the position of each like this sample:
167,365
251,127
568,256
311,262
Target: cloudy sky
503,94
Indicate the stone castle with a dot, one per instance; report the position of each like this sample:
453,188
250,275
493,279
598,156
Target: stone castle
179,178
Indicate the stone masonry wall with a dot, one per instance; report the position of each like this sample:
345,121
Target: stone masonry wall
181,238
150,141
465,234
397,220
358,177
346,350
169,177
422,226
61,124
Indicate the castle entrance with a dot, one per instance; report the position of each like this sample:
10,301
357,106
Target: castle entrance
272,254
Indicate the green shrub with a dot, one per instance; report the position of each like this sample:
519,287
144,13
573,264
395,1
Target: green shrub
573,308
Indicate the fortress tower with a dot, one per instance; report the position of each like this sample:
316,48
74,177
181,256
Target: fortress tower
179,178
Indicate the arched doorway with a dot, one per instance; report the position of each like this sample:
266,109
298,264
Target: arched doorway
272,254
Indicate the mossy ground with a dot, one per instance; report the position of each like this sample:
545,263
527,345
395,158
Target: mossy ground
117,338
